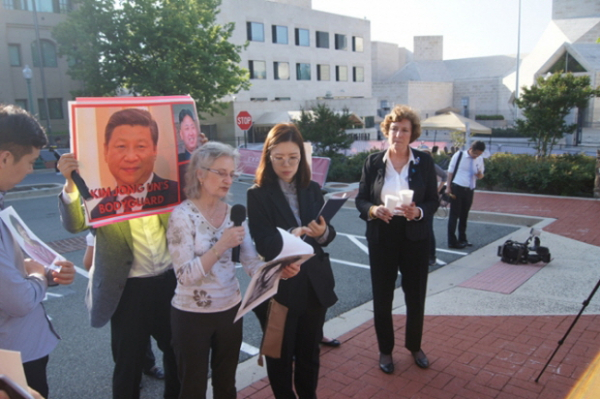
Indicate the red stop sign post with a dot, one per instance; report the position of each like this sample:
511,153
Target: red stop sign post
244,122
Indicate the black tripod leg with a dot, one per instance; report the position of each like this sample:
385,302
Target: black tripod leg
585,303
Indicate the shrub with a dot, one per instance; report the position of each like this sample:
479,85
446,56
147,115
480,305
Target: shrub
347,169
489,117
568,175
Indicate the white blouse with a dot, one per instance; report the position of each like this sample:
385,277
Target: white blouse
190,236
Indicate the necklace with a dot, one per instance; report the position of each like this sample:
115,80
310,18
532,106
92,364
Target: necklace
210,216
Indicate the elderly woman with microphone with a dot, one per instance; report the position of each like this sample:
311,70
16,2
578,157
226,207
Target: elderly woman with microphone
203,234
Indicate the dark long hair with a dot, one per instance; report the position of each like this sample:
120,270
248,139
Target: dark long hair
281,133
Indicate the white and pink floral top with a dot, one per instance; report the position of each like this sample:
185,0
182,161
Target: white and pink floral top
189,236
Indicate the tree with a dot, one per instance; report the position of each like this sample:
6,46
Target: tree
326,129
152,47
546,104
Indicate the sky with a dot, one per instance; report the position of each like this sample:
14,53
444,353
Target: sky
471,28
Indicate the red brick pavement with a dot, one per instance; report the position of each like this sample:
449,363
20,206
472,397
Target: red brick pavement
577,218
474,356
471,357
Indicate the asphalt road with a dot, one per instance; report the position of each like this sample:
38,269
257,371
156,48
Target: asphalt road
81,366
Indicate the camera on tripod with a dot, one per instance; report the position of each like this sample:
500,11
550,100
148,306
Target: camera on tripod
514,252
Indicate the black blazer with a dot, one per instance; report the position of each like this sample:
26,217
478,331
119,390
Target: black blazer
269,209
421,179
165,197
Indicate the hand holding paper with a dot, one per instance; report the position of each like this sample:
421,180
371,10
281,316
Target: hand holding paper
265,282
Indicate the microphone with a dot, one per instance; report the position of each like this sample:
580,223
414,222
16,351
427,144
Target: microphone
77,179
238,215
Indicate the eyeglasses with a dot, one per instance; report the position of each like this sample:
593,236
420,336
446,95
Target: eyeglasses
224,175
292,161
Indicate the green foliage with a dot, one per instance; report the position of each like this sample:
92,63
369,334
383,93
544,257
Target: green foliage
503,132
347,169
458,138
570,175
489,117
152,47
326,130
546,104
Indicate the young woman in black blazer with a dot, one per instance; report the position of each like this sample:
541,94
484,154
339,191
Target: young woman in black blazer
398,239
285,197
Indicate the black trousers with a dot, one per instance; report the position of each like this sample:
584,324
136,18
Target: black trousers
410,258
459,211
35,373
299,364
144,310
198,336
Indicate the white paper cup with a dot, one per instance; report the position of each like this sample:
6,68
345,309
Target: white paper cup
406,197
391,202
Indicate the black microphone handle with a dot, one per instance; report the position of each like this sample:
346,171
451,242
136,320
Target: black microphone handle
81,186
235,254
84,191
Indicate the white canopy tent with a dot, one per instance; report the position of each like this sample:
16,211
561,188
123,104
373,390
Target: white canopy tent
454,122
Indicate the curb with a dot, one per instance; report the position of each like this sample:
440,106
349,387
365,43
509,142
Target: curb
34,191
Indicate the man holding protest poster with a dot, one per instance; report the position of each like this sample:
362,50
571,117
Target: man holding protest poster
130,149
132,279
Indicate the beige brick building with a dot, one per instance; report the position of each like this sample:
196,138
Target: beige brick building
18,41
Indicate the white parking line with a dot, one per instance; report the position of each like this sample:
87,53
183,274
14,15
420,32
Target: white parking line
249,349
355,241
344,262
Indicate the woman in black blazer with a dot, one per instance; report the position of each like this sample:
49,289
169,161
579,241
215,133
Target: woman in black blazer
285,197
398,238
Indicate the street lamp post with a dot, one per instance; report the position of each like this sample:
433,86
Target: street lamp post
27,74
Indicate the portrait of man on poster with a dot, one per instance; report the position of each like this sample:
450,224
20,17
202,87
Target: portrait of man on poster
190,134
130,152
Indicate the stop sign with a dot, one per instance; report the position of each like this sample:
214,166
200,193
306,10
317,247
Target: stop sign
244,120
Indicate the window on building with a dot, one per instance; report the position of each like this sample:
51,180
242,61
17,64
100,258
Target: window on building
357,44
566,63
302,71
256,31
281,70
323,72
14,54
340,42
48,54
358,74
54,106
302,37
258,69
280,34
341,73
322,39
283,98
369,121
259,99
21,102
54,6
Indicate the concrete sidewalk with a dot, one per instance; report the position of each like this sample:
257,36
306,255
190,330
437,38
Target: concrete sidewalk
483,343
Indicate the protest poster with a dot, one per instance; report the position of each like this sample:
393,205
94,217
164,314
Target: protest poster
132,153
35,248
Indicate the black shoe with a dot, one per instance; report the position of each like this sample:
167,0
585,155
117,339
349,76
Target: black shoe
334,343
386,364
155,372
420,359
432,261
459,245
466,243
